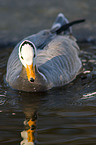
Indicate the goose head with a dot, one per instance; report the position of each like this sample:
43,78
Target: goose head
27,56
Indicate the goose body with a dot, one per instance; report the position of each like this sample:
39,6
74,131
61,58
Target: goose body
56,62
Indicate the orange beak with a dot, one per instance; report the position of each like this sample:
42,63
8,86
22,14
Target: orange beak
30,72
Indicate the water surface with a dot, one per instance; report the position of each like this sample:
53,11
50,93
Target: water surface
66,115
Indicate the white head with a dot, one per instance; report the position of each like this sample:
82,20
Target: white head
27,55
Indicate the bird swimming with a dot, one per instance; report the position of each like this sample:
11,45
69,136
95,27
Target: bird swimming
45,60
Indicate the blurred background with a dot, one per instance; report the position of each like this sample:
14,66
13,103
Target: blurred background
19,19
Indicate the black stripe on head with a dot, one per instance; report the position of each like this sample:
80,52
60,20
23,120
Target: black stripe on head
28,42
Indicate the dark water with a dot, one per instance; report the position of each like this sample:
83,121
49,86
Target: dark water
63,116
66,115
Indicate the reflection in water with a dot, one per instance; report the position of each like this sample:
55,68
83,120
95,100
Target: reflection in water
30,105
28,133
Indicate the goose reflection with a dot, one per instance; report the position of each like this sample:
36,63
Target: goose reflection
31,103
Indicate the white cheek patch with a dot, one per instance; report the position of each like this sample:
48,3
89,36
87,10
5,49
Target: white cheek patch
27,54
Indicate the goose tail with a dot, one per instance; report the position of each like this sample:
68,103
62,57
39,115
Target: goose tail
63,26
60,21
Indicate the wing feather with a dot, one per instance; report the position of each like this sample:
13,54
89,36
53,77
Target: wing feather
59,61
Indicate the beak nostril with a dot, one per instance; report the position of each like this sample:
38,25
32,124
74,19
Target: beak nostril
31,80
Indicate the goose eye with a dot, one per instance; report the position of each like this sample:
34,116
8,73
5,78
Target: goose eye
22,57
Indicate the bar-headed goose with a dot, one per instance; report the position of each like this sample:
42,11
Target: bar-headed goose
45,60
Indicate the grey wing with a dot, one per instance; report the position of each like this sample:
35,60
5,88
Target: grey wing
14,66
60,62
